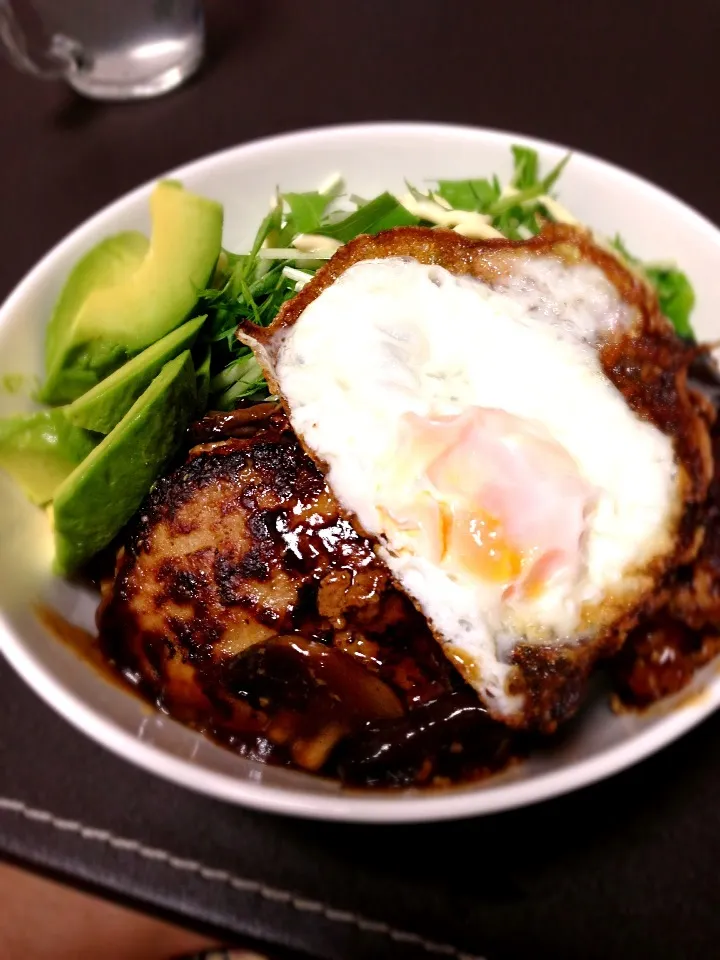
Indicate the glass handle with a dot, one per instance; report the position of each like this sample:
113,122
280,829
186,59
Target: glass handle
66,55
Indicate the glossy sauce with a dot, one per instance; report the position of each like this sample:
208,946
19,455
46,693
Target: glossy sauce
240,422
660,658
83,643
662,654
328,714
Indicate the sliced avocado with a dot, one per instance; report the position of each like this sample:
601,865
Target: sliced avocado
108,263
107,403
112,323
101,495
40,450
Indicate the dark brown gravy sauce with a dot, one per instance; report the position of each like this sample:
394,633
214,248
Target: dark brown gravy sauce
338,718
83,643
662,655
394,714
302,703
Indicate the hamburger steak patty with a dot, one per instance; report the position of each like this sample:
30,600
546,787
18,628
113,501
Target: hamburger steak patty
245,603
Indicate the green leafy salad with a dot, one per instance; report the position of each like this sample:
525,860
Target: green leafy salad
141,341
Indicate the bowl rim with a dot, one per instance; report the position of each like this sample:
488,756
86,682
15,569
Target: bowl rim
488,797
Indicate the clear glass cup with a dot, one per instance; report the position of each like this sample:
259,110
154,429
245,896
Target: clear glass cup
107,49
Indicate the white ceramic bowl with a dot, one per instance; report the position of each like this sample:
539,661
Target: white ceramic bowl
372,158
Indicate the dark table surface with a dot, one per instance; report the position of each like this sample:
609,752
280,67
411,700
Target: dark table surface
624,869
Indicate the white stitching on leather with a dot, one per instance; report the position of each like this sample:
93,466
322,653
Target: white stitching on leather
126,845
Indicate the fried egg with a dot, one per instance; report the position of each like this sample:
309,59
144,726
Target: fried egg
469,426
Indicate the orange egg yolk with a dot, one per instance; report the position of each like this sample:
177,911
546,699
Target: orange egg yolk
496,497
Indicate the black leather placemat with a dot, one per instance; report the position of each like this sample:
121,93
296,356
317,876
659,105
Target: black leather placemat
623,869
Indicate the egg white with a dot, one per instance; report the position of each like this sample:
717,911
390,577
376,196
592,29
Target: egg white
394,336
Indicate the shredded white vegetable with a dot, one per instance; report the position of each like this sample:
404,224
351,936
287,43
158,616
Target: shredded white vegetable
467,222
441,201
291,253
508,191
315,243
331,184
428,209
300,276
476,226
557,211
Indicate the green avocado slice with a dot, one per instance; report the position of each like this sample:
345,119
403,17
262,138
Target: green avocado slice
104,406
101,495
108,263
39,450
113,322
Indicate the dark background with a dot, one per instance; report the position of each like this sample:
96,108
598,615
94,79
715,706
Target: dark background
621,79
624,869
